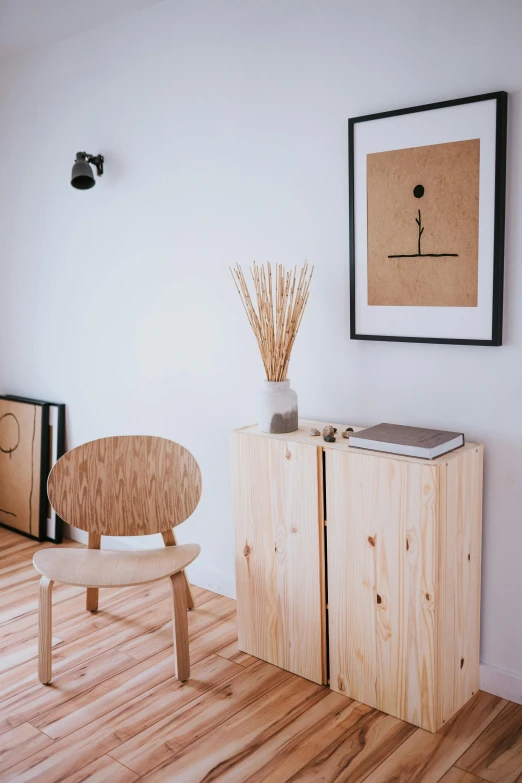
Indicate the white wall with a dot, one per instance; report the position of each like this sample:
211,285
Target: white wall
224,126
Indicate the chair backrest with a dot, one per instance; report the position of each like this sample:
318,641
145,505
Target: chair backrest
125,486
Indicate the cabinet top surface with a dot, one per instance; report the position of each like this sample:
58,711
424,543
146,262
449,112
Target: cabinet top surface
301,435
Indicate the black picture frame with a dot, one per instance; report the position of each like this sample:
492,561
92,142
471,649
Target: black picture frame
46,463
501,98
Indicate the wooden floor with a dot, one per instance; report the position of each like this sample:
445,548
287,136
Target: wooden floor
115,712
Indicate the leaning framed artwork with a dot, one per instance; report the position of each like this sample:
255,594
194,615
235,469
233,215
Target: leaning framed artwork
427,204
32,439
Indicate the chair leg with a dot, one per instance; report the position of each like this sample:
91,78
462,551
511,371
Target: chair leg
91,602
190,597
180,626
45,645
169,539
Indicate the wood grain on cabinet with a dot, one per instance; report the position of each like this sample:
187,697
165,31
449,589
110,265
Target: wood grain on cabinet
404,581
278,509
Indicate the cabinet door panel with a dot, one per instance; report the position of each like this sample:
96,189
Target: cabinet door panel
382,545
459,577
277,488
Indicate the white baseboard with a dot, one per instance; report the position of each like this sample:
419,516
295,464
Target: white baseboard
215,581
198,575
507,685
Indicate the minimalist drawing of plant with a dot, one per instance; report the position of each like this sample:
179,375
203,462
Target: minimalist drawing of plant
418,192
421,231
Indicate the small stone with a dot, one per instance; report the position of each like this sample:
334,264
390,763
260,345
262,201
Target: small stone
313,431
335,429
329,438
346,434
329,430
349,429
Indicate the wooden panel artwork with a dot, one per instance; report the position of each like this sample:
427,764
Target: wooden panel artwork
403,593
279,553
126,486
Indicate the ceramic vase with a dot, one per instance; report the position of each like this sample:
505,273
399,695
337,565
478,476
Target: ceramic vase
278,408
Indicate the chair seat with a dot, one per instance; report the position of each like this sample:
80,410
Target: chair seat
109,568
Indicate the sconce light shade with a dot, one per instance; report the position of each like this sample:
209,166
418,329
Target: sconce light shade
82,177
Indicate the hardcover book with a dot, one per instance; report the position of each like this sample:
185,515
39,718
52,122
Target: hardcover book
407,441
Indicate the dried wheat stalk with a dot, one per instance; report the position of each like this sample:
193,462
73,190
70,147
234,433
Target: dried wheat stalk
280,307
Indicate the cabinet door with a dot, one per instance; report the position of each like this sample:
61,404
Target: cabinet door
382,572
278,509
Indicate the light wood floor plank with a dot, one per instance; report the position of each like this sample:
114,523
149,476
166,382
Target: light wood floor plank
13,563
18,744
106,696
103,770
18,593
16,574
337,739
427,757
30,704
111,609
30,603
25,651
25,627
233,653
496,756
207,642
455,775
25,547
359,751
68,655
70,618
164,739
74,751
220,748
161,638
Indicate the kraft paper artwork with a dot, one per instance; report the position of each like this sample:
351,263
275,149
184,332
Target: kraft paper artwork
423,217
20,454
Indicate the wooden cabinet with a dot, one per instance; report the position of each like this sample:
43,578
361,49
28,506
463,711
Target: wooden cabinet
404,581
278,501
401,563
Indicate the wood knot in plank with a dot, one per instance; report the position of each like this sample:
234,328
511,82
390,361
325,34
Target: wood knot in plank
246,550
371,540
288,454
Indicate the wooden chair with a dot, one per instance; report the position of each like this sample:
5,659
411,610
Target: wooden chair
122,486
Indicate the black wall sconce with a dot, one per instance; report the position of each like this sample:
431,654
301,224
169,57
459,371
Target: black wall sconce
82,176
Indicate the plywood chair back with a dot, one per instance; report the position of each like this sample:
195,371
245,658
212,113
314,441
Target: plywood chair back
128,485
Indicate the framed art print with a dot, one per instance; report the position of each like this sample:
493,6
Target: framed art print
427,203
32,439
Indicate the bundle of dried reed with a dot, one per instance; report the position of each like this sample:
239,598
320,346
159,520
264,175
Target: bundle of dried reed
279,312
